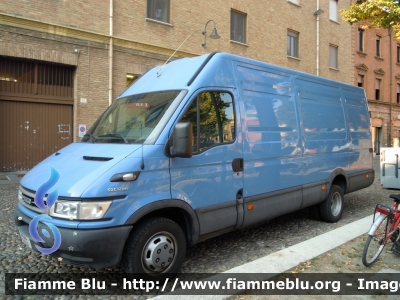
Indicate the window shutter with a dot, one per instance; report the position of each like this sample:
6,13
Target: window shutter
377,84
333,10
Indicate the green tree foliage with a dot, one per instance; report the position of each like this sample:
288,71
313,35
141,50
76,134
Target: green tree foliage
212,116
376,14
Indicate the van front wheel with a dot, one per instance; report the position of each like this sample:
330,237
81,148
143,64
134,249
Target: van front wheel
155,250
332,208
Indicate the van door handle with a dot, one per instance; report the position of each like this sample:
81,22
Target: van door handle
237,165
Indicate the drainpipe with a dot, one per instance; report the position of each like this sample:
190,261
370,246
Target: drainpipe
390,88
317,38
110,64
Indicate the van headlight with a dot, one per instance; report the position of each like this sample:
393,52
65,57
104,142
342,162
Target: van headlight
80,210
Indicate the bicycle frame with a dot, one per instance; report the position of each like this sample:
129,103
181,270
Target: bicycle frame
393,215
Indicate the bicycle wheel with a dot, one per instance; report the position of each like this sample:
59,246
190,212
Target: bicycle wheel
375,243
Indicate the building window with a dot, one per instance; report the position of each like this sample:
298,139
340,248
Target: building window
378,46
333,8
292,43
378,89
360,82
238,27
398,54
360,40
398,94
158,10
333,56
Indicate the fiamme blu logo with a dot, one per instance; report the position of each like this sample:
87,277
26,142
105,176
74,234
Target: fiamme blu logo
39,201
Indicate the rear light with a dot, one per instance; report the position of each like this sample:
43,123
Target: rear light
382,210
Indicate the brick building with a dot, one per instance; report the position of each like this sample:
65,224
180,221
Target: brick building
377,69
62,62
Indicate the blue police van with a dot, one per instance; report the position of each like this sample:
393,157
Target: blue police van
191,150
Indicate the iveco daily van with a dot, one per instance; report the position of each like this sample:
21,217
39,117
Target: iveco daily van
197,148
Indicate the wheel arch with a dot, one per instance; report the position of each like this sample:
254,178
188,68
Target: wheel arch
339,178
176,210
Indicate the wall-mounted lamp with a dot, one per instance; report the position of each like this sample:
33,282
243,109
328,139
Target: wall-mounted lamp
318,12
213,35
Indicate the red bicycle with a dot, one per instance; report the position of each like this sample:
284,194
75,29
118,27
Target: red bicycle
385,228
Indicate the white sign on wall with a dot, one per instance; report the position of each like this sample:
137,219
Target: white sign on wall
82,130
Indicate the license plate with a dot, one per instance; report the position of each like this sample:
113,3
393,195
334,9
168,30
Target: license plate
25,240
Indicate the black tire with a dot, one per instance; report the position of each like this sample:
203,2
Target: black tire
374,246
155,250
332,208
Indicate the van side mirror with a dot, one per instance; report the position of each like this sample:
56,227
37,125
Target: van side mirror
181,140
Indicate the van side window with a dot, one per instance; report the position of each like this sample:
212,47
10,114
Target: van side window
212,113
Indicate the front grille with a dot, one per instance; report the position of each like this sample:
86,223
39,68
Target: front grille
27,199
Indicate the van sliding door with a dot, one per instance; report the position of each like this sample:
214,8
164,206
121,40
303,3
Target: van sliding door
272,150
325,135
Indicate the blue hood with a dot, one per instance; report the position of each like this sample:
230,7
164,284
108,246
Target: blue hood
79,165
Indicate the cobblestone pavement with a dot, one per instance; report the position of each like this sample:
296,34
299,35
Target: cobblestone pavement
211,256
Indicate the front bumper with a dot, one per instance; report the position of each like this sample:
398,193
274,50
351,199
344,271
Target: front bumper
95,248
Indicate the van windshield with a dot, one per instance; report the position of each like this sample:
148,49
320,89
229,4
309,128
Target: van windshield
134,119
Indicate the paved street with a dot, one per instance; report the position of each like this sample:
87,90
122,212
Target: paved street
214,255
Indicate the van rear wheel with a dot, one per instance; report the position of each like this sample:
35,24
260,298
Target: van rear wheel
155,250
332,208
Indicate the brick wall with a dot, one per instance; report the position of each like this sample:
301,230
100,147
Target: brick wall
52,30
267,25
90,15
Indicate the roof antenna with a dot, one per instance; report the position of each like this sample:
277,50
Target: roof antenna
158,72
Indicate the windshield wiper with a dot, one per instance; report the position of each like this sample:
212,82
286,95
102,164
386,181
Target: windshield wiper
91,137
118,135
